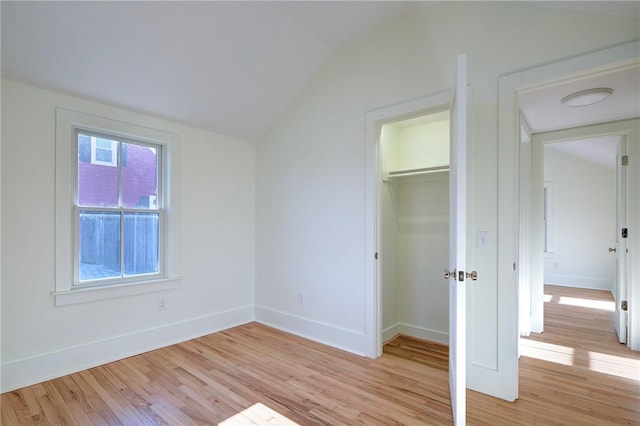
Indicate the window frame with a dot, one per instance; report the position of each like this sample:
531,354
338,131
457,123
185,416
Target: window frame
77,208
68,288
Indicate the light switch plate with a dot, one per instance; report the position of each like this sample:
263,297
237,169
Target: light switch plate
482,239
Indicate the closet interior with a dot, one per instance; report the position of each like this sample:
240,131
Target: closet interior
414,227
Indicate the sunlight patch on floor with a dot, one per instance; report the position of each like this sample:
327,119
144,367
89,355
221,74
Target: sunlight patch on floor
614,365
547,298
605,305
258,414
547,352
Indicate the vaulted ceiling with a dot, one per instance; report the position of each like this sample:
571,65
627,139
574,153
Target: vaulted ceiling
227,67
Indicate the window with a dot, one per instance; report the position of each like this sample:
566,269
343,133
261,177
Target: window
117,208
103,151
118,219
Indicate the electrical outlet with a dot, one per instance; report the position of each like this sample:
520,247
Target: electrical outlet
300,298
162,304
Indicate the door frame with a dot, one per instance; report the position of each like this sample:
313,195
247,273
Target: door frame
373,177
524,271
622,249
622,129
509,87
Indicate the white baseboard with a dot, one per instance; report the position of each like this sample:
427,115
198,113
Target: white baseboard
348,340
579,282
424,333
391,332
415,331
25,372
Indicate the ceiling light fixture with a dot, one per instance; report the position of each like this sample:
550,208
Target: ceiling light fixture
587,97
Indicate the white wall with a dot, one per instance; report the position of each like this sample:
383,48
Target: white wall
426,145
415,230
310,230
584,222
423,253
217,193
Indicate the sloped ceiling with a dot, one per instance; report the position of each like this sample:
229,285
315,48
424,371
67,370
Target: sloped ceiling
600,150
230,67
227,67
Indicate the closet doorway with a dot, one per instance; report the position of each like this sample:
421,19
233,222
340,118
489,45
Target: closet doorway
414,227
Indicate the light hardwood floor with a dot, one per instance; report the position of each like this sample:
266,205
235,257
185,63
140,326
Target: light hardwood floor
254,374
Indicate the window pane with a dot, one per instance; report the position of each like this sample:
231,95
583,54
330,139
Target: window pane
99,245
102,143
140,243
139,176
97,183
104,155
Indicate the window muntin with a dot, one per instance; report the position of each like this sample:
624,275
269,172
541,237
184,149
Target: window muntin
118,209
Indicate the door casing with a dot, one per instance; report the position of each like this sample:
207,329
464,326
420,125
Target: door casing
374,122
624,129
509,87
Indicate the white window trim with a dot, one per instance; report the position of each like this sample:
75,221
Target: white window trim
66,124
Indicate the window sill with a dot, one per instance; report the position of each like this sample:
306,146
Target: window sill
92,294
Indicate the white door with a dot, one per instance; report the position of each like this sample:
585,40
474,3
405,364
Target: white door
458,246
621,242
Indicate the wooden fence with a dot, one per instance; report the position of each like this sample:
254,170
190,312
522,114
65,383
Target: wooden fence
100,242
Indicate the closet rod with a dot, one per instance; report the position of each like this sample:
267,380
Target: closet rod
419,171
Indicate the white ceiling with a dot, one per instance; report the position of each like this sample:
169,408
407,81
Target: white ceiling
544,112
600,150
226,67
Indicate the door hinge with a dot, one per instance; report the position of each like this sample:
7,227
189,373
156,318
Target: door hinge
624,160
376,256
623,305
624,233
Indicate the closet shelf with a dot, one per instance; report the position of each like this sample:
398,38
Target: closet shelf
418,172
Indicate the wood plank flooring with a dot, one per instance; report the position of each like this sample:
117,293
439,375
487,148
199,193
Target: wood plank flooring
254,374
575,373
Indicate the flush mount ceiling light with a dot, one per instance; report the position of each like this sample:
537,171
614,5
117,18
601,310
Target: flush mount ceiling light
587,97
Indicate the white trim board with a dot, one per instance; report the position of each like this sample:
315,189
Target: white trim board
417,332
508,157
327,334
29,371
374,121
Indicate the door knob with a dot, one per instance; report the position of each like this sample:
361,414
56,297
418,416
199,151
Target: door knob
612,250
460,276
